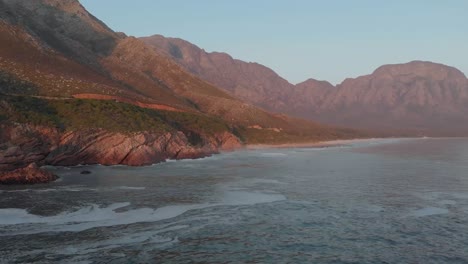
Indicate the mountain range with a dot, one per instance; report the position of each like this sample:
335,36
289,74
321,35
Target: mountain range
416,98
73,91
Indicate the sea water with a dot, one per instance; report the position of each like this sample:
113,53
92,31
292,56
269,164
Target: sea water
376,201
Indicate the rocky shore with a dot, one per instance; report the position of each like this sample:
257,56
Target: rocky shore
22,144
31,174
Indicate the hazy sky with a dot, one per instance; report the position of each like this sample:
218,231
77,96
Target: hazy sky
301,39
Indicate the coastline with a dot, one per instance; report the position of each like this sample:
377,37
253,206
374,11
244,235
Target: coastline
199,155
313,144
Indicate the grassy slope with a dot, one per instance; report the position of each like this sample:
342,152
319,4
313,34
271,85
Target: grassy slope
76,114
49,73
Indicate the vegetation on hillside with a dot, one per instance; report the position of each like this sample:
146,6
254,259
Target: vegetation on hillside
75,114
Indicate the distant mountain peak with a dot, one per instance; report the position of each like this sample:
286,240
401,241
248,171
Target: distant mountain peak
422,69
314,82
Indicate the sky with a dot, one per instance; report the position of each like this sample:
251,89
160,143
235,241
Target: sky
301,39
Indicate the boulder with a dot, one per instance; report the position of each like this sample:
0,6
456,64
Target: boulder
31,174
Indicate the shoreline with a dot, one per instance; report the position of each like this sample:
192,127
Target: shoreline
315,144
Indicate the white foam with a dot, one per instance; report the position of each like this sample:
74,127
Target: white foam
60,179
137,238
250,198
92,216
207,158
272,154
130,188
95,216
23,190
46,190
268,181
429,211
65,189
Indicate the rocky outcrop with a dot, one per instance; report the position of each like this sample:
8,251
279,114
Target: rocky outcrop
31,174
24,144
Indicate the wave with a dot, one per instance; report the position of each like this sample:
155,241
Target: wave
93,216
273,154
429,211
268,181
250,198
130,188
58,189
89,217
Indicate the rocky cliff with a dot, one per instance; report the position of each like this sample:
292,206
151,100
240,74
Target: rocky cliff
93,131
25,144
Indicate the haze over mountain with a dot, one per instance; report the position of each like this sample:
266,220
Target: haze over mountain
420,98
416,98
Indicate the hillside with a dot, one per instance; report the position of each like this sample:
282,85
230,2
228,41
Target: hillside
416,98
421,98
252,82
57,49
67,81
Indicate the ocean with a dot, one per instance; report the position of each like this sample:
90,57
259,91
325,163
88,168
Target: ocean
371,201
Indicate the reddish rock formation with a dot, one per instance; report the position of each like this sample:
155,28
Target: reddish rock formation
27,175
21,145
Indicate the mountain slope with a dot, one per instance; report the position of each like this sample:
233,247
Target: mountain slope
58,37
416,98
73,91
63,31
252,82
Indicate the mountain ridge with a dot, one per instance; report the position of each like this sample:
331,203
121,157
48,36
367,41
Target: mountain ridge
73,91
416,98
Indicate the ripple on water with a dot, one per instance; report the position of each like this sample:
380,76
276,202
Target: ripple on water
429,211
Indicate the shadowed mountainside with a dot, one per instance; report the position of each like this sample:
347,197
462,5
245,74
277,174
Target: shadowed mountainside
252,82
